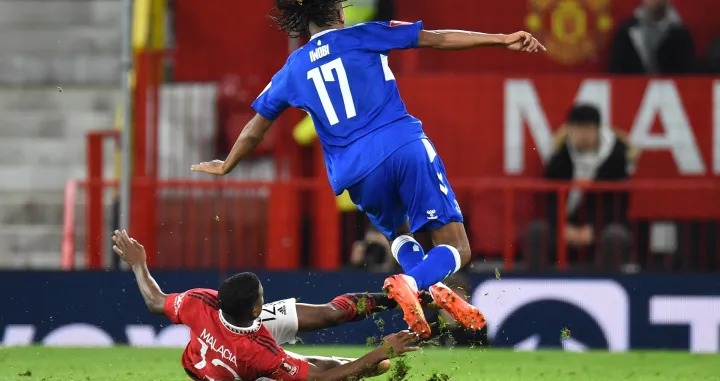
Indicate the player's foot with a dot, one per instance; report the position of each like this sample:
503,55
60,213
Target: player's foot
406,297
465,313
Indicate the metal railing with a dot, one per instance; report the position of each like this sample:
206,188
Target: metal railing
241,224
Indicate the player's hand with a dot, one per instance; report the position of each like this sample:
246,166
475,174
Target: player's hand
214,167
523,42
398,343
130,250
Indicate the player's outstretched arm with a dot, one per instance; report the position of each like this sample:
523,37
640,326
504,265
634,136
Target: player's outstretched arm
250,137
133,253
394,345
461,39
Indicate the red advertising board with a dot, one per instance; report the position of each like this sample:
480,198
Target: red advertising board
490,126
510,120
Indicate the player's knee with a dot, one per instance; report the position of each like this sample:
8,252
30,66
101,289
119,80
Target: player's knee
453,235
460,252
464,253
334,316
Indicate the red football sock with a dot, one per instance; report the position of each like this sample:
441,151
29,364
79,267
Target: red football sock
359,306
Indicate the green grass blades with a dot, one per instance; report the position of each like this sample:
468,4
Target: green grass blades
431,364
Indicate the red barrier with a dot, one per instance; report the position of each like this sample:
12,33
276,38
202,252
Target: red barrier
219,224
520,206
94,208
191,224
208,224
67,250
230,225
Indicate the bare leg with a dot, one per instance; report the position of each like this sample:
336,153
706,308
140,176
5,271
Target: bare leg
345,309
404,230
453,234
314,317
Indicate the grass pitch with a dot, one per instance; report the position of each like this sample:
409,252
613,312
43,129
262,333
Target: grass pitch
133,364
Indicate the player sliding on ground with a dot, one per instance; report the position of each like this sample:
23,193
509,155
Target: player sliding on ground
233,335
373,148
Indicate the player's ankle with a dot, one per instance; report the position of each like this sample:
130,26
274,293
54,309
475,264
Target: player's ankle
346,306
411,282
439,284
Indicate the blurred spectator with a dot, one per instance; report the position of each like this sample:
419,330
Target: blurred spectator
385,10
712,59
373,253
654,41
446,330
586,152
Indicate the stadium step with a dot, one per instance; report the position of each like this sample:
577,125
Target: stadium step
60,39
46,208
51,68
105,13
60,42
69,100
53,124
35,246
43,151
42,260
57,43
23,208
31,178
30,238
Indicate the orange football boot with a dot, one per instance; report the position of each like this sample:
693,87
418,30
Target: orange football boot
398,289
465,313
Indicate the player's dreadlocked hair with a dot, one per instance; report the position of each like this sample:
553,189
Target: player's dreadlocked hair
238,294
295,16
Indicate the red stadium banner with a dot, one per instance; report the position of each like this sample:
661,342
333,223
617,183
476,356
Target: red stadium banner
223,37
577,33
489,126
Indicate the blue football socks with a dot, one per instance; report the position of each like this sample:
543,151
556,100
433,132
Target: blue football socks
441,261
407,252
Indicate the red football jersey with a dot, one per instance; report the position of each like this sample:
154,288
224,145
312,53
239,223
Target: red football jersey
219,351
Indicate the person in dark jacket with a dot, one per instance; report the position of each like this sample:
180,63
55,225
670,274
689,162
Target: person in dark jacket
585,151
373,253
654,41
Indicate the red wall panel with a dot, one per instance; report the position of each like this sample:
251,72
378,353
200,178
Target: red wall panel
220,37
217,37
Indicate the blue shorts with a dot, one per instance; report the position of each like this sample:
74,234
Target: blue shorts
409,185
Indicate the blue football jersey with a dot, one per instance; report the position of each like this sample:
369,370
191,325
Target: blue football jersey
341,78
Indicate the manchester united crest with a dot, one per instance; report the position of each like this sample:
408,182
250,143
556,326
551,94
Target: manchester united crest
572,30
